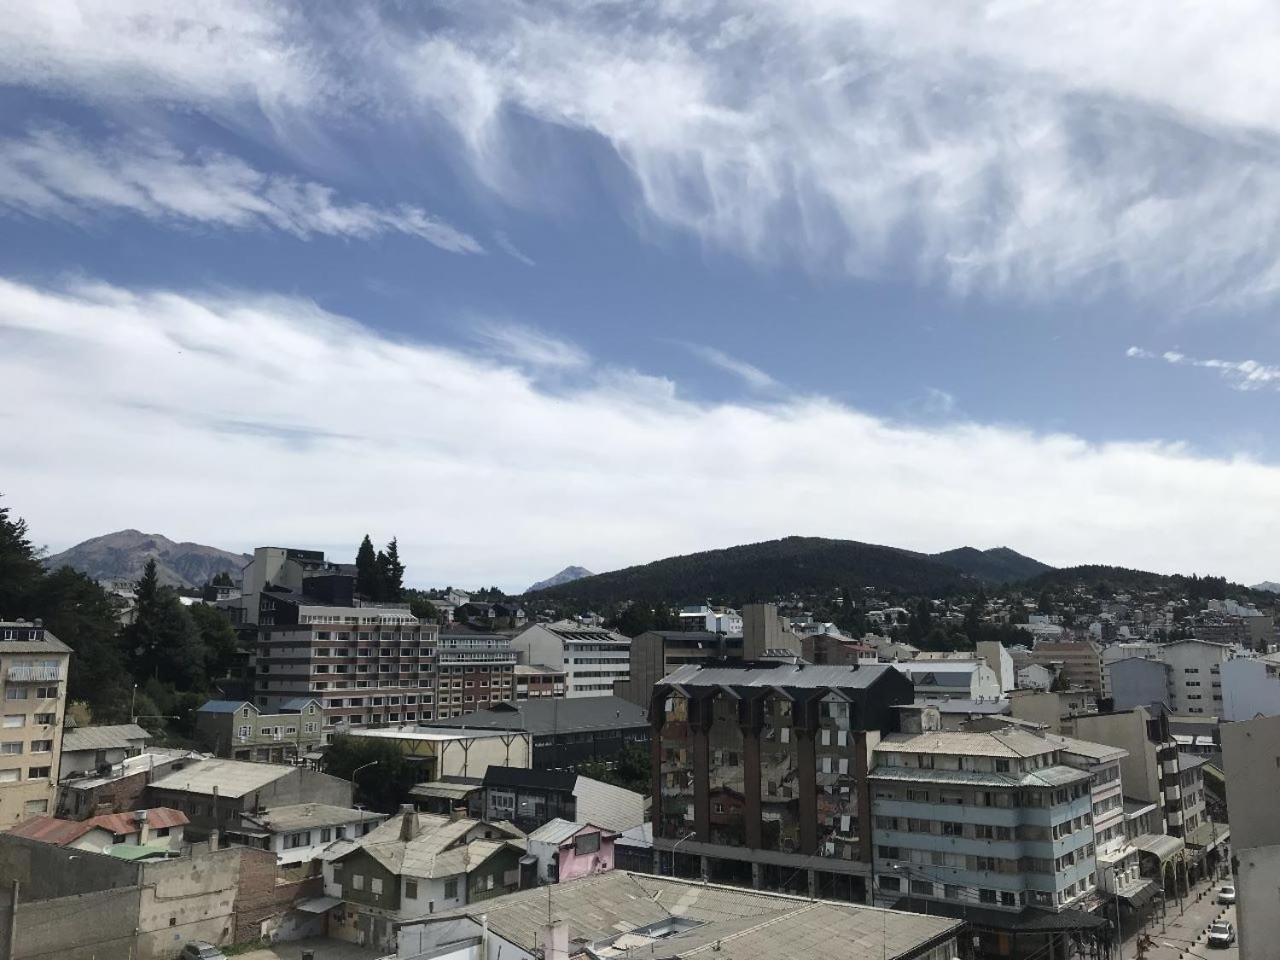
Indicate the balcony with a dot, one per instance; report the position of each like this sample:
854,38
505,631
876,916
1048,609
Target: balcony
35,672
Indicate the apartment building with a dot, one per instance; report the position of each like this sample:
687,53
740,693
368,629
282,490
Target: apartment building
240,731
968,679
1080,661
33,663
1251,760
1195,675
592,659
996,819
366,665
475,671
535,681
760,772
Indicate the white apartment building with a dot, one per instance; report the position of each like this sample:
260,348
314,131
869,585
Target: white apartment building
591,658
963,679
711,619
1195,675
33,665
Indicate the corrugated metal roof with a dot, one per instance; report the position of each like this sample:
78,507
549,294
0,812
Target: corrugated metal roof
439,849
224,706
445,790
1009,742
107,737
303,816
802,675
1159,844
1059,776
231,778
556,831
51,830
546,715
605,805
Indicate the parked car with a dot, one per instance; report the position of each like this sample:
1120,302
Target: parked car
200,950
1221,934
1227,894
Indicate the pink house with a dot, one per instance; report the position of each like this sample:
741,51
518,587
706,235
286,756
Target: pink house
566,851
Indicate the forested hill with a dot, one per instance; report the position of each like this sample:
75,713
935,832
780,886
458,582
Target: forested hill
997,565
762,571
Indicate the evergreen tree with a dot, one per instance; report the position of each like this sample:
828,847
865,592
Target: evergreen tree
20,569
218,639
367,570
390,572
162,642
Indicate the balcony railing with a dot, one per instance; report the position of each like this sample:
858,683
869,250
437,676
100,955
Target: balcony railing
35,672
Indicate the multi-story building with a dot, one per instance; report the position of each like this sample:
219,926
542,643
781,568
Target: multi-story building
1137,682
1195,675
535,681
239,730
760,772
996,819
593,659
969,679
1252,769
1080,660
367,665
476,670
704,617
33,663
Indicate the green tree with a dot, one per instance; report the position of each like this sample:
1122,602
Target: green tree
222,579
162,642
218,639
390,572
20,568
385,783
367,584
630,769
422,608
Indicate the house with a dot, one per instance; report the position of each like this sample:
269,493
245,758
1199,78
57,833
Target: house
217,793
564,850
88,749
565,733
968,679
414,865
120,787
298,832
240,730
617,914
530,798
157,826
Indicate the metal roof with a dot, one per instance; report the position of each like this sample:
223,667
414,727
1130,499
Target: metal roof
439,848
303,816
799,675
605,805
1159,844
1101,752
556,831
548,715
1009,742
1058,776
107,737
616,911
225,706
230,778
445,790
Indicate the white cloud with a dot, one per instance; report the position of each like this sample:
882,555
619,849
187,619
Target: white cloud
52,173
241,420
1242,374
748,373
1029,149
530,347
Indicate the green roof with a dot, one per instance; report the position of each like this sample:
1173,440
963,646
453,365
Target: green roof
134,851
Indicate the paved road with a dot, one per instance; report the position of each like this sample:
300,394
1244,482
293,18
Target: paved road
1184,936
324,950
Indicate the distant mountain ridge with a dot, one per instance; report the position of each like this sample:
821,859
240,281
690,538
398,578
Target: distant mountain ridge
567,575
123,555
793,564
1267,586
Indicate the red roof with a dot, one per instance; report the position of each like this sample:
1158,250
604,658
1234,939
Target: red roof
63,832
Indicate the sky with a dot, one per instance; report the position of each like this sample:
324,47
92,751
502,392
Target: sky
527,285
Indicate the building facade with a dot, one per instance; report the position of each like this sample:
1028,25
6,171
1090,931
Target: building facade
1252,764
476,670
1080,660
534,681
239,730
33,663
592,659
760,772
1195,675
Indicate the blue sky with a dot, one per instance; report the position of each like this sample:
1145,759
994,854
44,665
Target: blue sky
537,284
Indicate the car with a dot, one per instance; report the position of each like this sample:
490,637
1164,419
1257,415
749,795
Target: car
1221,934
1227,894
200,950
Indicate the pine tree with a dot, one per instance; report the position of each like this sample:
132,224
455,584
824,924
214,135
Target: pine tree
390,572
20,569
367,570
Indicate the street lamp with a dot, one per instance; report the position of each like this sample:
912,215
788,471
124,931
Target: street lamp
363,766
676,846
1115,895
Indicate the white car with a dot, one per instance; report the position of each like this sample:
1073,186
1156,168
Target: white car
1227,894
1221,934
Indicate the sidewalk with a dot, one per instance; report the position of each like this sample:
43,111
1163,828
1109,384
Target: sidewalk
1181,936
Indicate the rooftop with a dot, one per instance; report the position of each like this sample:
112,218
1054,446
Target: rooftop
230,778
431,734
440,847
302,816
798,675
1008,742
617,911
1100,752
555,715
62,832
106,737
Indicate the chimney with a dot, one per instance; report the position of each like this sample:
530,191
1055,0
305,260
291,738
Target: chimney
457,813
144,834
408,822
213,841
555,941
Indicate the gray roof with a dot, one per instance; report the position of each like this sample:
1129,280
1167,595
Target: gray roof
1010,741
777,675
224,706
303,816
1186,761
556,831
1044,777
547,715
611,912
106,737
440,848
605,805
960,705
231,778
445,789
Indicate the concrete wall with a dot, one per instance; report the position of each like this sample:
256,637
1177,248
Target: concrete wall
193,898
94,926
1135,682
47,872
1139,771
1251,762
1247,691
1257,879
995,656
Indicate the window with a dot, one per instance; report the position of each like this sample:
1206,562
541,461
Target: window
375,886
10,776
34,807
41,746
923,888
357,882
951,891
987,896
14,720
326,834
243,731
15,693
295,840
890,883
37,773
411,889
586,843
450,889
10,748
46,693
45,719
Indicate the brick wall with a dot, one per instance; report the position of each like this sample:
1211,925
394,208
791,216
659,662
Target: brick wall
266,892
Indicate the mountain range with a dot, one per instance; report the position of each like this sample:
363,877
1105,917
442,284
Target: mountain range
123,554
1267,586
567,575
799,564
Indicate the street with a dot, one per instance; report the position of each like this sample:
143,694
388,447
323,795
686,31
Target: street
323,948
1183,937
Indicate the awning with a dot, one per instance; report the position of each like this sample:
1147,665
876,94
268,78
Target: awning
1208,835
1139,895
318,905
1160,845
